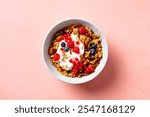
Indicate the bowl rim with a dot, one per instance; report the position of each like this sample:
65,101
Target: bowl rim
88,22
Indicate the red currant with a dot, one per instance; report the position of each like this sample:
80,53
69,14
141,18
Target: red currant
56,56
87,34
76,59
75,71
71,61
77,42
61,49
89,69
74,63
68,34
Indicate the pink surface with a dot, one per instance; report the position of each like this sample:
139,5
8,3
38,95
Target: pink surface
24,24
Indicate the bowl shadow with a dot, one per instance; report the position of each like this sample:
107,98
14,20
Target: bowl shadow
105,80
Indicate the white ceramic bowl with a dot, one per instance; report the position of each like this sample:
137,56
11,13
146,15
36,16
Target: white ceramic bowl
53,70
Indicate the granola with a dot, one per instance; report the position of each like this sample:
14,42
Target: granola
76,51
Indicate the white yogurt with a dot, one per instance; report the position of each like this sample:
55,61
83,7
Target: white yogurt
64,60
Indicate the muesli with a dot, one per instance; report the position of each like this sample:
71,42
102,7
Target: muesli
76,50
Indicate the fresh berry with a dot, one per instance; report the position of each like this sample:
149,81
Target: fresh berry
76,50
63,44
76,59
77,42
68,34
82,30
75,71
92,51
59,39
56,56
70,44
76,66
80,66
85,67
61,49
89,69
87,34
75,63
68,38
71,61
64,36
66,49
93,46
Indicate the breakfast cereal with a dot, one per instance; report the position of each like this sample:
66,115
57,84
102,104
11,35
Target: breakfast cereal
76,50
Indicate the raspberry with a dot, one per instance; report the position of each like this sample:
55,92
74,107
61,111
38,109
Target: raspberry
82,30
77,42
76,50
70,44
56,56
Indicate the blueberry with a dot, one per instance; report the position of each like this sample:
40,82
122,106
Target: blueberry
63,44
93,46
92,51
66,49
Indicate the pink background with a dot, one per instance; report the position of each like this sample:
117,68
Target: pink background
24,24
